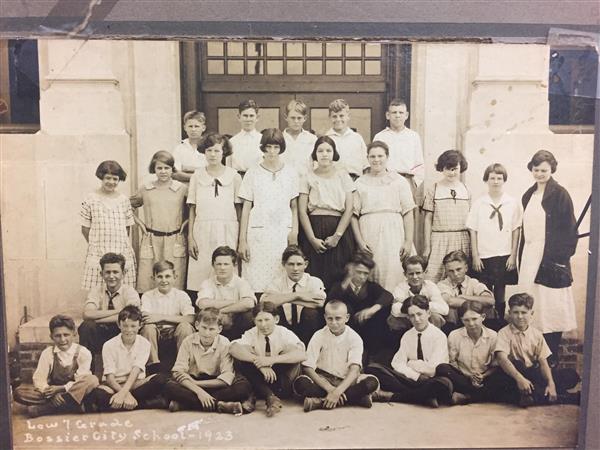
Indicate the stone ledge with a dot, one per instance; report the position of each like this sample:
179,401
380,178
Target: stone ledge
36,330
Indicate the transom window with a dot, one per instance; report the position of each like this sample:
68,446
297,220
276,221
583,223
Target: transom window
293,58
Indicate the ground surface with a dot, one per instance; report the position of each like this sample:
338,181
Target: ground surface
383,426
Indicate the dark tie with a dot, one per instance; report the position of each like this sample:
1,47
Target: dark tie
419,348
497,210
267,346
459,288
294,308
453,194
217,184
110,296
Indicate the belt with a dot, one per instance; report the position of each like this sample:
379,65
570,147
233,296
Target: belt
162,233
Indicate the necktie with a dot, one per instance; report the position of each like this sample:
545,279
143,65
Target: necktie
497,210
110,296
267,346
217,184
453,194
419,348
459,288
294,308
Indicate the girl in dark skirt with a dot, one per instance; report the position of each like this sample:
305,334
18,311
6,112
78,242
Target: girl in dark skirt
325,210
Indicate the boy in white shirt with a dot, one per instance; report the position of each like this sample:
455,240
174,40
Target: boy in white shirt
332,367
350,145
299,143
186,154
246,144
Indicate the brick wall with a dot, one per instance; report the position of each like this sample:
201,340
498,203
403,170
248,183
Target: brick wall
29,354
571,354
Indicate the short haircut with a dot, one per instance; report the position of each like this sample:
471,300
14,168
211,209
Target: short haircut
224,250
325,140
543,156
470,305
110,167
362,258
112,258
378,144
268,307
247,104
209,316
413,261
496,168
292,250
418,300
338,105
194,115
272,136
297,105
212,139
398,102
163,157
336,304
130,312
521,299
450,159
161,266
60,320
456,255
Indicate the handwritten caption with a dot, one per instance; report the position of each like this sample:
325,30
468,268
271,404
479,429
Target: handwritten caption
64,431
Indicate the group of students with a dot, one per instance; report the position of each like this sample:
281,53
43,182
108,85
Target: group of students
282,202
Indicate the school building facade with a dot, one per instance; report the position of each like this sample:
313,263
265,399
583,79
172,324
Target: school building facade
123,100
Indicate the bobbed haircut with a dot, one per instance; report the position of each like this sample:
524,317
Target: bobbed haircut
130,312
272,136
112,258
161,266
297,105
61,320
418,300
224,250
398,102
338,105
378,144
325,140
248,104
163,157
470,305
496,168
450,159
413,261
543,156
212,139
521,299
194,115
456,256
292,250
110,167
267,307
362,258
209,316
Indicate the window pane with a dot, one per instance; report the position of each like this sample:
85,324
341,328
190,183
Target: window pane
275,67
372,67
254,49
24,83
235,67
333,67
333,49
294,67
373,50
274,49
314,67
255,67
294,49
353,67
216,67
235,49
214,48
314,49
353,49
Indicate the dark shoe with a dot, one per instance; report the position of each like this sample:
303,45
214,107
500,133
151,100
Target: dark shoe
311,403
526,400
442,389
174,406
382,396
234,408
460,399
365,401
153,368
41,410
432,402
249,405
569,398
274,405
156,403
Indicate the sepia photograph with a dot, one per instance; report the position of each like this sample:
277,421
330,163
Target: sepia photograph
292,242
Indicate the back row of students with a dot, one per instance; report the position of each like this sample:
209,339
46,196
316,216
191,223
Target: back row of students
327,213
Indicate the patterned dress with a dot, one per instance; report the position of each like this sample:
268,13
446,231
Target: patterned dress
450,208
108,219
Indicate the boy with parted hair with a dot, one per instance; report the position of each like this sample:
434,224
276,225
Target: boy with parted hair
246,144
186,154
299,143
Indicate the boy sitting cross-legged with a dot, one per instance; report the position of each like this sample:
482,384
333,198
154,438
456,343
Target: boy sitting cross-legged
203,375
269,356
62,379
332,368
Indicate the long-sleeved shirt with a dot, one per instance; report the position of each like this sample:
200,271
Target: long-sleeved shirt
193,359
65,358
435,350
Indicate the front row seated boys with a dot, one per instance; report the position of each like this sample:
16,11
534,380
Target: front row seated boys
62,380
332,367
203,375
